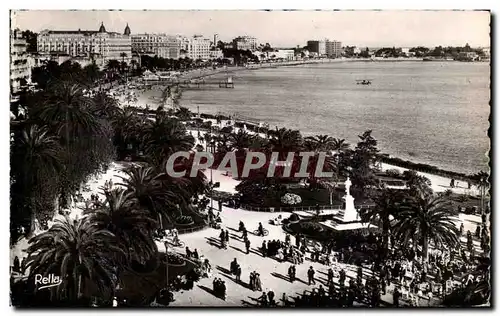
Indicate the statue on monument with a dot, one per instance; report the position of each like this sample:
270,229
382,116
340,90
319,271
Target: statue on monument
348,184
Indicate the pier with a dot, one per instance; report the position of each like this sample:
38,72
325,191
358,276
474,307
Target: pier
201,83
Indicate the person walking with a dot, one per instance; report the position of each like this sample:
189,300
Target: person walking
17,265
310,275
330,277
247,245
264,248
252,281
238,273
270,296
226,236
290,274
258,283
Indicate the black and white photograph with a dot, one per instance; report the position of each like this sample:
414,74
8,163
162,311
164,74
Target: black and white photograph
250,158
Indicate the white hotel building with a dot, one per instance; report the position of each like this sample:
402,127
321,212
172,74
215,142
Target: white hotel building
161,45
101,45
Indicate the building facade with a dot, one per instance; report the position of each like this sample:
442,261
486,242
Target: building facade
161,45
286,54
100,45
198,47
20,70
245,43
318,47
333,48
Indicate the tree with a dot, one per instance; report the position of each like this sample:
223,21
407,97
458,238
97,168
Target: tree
78,252
387,205
35,162
144,184
363,158
131,226
424,218
113,65
417,183
285,140
163,137
319,143
241,140
31,39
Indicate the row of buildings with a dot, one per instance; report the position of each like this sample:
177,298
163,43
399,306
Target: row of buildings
103,46
100,46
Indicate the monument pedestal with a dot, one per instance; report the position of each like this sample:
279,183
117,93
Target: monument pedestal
348,218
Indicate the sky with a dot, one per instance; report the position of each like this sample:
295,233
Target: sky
282,28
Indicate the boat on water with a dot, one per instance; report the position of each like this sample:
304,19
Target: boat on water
364,81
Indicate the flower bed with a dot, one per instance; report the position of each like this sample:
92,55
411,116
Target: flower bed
184,221
175,260
308,229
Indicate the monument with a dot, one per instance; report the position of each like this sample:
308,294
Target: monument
347,218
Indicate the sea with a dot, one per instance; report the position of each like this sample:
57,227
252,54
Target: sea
428,112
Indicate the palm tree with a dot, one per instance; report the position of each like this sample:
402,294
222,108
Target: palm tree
285,140
417,183
184,114
78,252
165,136
425,218
123,55
68,111
387,205
104,106
35,159
241,140
132,227
320,143
145,185
340,145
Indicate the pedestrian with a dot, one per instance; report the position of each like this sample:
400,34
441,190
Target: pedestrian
252,281
16,267
310,275
263,299
297,241
245,234
195,254
238,273
226,236
247,245
342,277
330,277
461,229
23,265
290,274
395,296
264,248
270,296
188,252
232,266
383,285
220,205
258,283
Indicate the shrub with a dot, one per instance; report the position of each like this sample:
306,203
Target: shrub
184,219
393,173
293,218
173,258
310,228
291,199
